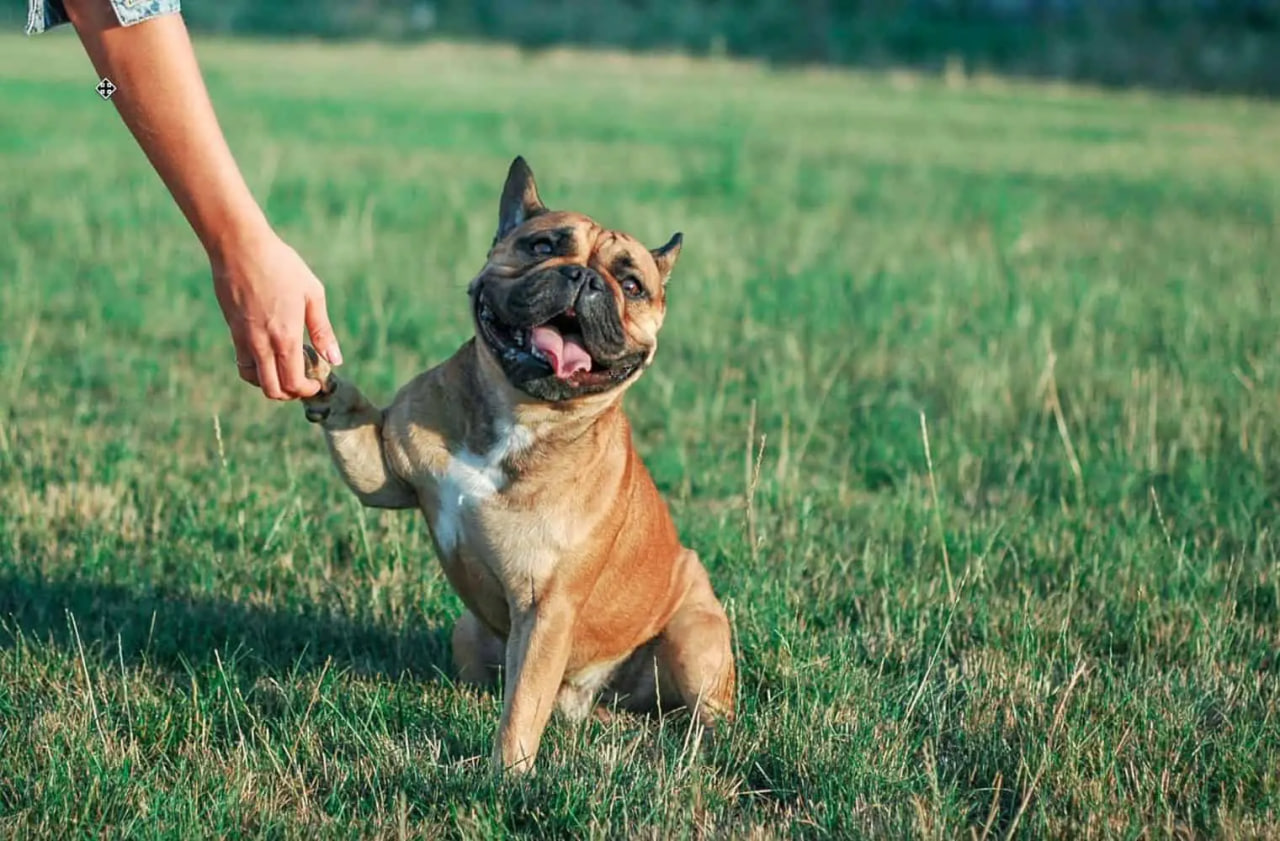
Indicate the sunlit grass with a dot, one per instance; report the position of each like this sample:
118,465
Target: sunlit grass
1070,294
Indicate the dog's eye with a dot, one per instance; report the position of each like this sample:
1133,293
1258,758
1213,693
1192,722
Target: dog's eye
542,247
632,288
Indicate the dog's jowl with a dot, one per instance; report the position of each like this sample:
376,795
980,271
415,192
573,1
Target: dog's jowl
518,452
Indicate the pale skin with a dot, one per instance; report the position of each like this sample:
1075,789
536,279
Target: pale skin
267,293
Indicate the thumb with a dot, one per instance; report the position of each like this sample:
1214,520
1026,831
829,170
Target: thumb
321,331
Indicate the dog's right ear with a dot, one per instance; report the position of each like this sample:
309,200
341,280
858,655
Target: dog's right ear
520,201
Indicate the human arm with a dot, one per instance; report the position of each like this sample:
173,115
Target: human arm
266,291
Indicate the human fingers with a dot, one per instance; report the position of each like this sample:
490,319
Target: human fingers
246,365
289,368
264,357
323,339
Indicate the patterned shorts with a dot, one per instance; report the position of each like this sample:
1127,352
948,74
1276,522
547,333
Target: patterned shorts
46,14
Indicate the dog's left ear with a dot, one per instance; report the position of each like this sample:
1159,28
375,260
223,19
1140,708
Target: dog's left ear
666,256
520,201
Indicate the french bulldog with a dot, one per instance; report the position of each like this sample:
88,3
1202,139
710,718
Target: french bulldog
579,594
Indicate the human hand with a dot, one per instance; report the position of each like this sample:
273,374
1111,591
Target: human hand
268,295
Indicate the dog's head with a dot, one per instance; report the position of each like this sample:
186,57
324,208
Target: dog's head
566,307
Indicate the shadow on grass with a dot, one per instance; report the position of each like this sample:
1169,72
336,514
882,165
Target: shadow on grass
179,633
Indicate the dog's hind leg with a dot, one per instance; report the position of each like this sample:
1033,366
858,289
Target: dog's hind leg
478,653
695,652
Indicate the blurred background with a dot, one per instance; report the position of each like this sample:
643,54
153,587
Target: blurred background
966,397
1202,45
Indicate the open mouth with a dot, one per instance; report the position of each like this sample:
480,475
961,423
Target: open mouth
559,344
554,348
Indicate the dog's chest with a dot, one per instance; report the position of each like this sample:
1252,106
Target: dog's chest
471,521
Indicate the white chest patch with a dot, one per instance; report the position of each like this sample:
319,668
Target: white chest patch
470,479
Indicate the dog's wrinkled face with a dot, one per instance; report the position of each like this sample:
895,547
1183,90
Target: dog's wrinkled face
567,307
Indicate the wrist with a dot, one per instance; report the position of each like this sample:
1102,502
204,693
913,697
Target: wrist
236,233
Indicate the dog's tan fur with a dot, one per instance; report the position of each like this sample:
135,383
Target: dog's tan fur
545,519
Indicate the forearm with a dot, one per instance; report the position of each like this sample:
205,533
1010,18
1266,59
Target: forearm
268,294
162,99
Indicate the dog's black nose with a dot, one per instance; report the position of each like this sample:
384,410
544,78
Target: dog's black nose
583,278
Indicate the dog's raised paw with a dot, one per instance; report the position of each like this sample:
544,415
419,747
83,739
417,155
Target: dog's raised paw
318,369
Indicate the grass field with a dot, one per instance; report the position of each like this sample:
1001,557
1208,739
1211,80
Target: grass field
968,398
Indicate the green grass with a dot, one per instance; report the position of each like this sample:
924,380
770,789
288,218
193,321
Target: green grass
1002,359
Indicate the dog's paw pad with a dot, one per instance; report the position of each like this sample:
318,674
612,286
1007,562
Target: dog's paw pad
318,369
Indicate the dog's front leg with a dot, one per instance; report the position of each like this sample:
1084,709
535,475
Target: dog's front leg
353,430
537,653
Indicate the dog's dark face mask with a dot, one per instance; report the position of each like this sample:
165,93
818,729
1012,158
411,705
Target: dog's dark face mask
566,307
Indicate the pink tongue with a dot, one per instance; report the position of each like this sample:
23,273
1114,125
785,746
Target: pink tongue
567,355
